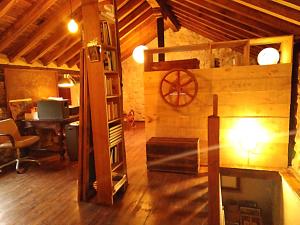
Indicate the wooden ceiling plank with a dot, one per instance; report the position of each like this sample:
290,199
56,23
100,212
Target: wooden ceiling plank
212,16
291,2
21,24
60,50
274,9
138,22
72,62
5,6
167,12
69,54
262,18
143,8
214,23
127,8
50,24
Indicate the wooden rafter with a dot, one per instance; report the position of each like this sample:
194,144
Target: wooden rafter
5,6
72,62
143,8
60,50
262,18
290,3
29,17
167,12
127,8
53,22
69,54
136,23
241,19
239,33
274,9
211,15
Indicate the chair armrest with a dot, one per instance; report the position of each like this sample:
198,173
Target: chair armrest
10,137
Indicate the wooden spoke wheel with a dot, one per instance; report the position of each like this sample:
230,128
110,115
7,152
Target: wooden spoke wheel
178,87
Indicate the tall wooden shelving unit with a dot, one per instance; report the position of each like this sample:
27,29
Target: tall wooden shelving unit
102,158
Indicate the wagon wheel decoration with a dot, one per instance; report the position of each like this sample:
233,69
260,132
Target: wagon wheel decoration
178,87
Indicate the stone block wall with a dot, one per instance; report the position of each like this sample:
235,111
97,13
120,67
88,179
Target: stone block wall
133,78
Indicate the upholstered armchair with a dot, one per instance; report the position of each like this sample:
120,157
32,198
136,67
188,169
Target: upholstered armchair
11,139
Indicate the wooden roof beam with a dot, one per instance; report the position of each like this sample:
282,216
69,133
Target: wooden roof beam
5,6
57,36
289,3
75,60
27,19
68,55
254,24
223,17
240,34
60,50
262,18
127,8
280,11
171,18
138,22
126,21
53,22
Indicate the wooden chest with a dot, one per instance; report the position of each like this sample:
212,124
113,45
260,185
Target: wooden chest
179,155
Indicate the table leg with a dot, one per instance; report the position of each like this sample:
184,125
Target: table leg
61,142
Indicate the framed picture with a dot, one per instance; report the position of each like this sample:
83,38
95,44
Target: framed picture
230,183
93,53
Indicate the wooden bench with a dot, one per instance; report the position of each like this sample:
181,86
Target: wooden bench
179,155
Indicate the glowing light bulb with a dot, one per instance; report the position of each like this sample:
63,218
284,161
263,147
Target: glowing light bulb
72,26
268,56
138,54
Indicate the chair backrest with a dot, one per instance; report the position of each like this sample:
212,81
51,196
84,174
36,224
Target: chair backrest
9,126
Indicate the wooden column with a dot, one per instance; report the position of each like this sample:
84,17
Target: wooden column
160,37
214,166
97,99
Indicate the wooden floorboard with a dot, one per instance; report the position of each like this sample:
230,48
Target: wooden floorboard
47,194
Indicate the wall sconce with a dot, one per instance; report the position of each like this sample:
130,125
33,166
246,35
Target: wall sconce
268,56
138,54
66,81
72,25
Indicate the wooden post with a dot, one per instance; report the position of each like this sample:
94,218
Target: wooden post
160,37
214,166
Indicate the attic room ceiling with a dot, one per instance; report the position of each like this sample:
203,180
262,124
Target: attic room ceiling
36,30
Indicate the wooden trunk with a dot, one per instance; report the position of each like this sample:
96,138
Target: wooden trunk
179,155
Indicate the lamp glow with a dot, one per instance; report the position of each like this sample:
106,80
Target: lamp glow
72,26
138,54
268,56
66,81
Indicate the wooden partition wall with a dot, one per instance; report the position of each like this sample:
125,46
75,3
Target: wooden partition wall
259,93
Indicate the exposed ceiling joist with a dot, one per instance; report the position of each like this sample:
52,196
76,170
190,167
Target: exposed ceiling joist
143,8
5,6
273,9
171,18
72,62
69,54
45,28
38,9
290,3
262,18
129,7
60,49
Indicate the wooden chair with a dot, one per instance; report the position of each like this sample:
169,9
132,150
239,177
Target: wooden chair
11,139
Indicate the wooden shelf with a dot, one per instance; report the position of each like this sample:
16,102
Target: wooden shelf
112,96
115,143
116,166
108,48
111,73
118,184
114,120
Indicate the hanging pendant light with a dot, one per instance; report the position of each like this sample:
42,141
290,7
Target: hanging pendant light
138,54
72,25
66,81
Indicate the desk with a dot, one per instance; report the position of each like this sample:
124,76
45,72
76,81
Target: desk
58,125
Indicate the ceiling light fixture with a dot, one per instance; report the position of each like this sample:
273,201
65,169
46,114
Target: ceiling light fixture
268,56
72,25
138,54
66,81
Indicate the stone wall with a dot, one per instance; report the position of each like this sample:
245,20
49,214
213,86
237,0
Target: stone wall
133,78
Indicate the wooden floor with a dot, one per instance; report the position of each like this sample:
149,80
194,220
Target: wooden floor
47,194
